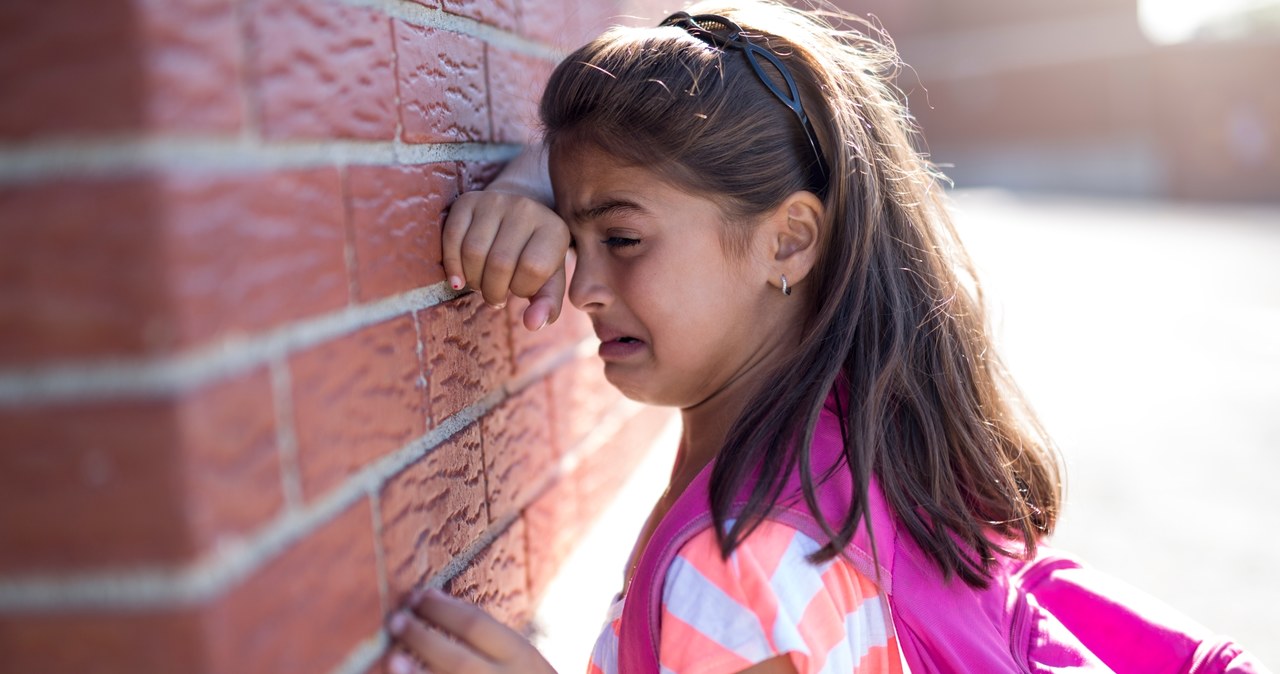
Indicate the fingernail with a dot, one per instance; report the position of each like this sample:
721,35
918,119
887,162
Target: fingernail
399,664
499,307
455,283
397,623
544,323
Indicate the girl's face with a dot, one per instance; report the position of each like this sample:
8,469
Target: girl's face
678,317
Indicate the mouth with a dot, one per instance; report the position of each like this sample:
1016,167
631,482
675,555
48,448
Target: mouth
620,347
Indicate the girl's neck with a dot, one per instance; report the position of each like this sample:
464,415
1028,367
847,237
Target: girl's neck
705,427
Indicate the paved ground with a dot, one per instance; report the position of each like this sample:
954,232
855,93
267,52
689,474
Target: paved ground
1147,336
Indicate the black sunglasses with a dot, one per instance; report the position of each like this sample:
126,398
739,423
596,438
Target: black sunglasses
720,32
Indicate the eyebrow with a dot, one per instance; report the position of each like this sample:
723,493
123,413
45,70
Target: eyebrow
607,208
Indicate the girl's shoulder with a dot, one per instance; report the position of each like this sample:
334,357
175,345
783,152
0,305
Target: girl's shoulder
767,599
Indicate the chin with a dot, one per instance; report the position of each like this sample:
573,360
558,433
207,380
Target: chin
637,391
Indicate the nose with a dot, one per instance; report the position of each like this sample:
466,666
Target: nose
588,287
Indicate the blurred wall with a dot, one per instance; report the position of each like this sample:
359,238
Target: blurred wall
241,413
1072,97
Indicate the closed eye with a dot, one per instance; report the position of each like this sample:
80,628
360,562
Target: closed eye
619,242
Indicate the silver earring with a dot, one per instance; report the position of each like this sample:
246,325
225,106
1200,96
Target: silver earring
786,289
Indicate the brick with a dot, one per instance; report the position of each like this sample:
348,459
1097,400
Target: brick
396,215
356,399
518,452
554,525
193,65
477,175
322,70
231,461
606,469
467,353
516,82
433,510
125,483
90,486
567,27
443,98
102,643
497,579
580,396
254,251
307,609
70,72
124,67
530,349
64,292
503,14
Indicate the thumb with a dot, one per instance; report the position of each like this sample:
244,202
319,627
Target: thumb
544,305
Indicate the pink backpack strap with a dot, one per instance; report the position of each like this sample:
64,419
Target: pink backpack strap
638,630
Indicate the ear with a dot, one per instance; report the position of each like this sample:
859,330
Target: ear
794,232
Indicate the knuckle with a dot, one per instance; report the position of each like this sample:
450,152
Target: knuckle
474,252
500,262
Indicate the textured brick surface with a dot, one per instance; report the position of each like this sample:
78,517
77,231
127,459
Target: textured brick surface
516,82
442,85
580,395
356,399
433,510
567,26
307,609
497,579
251,252
606,468
478,175
231,464
102,643
501,13
554,525
532,349
64,290
116,484
396,214
467,353
67,71
518,452
322,70
193,64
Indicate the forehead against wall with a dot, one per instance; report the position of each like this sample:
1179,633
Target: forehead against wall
241,413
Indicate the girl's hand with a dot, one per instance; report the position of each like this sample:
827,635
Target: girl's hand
445,635
506,243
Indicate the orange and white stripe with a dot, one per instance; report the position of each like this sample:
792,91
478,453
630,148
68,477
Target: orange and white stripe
721,616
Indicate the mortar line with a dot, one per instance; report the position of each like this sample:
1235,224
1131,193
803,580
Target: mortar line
204,363
234,561
111,156
427,17
286,437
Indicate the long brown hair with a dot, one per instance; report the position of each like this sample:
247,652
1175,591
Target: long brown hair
896,311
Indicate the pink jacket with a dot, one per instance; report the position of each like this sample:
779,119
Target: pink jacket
1045,614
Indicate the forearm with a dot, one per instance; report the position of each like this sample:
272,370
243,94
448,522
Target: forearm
528,176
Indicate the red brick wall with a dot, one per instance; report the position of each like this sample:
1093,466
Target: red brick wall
240,412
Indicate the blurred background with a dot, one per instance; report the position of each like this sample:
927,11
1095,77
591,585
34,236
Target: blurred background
1148,98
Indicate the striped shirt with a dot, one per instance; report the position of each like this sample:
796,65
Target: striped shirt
721,616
